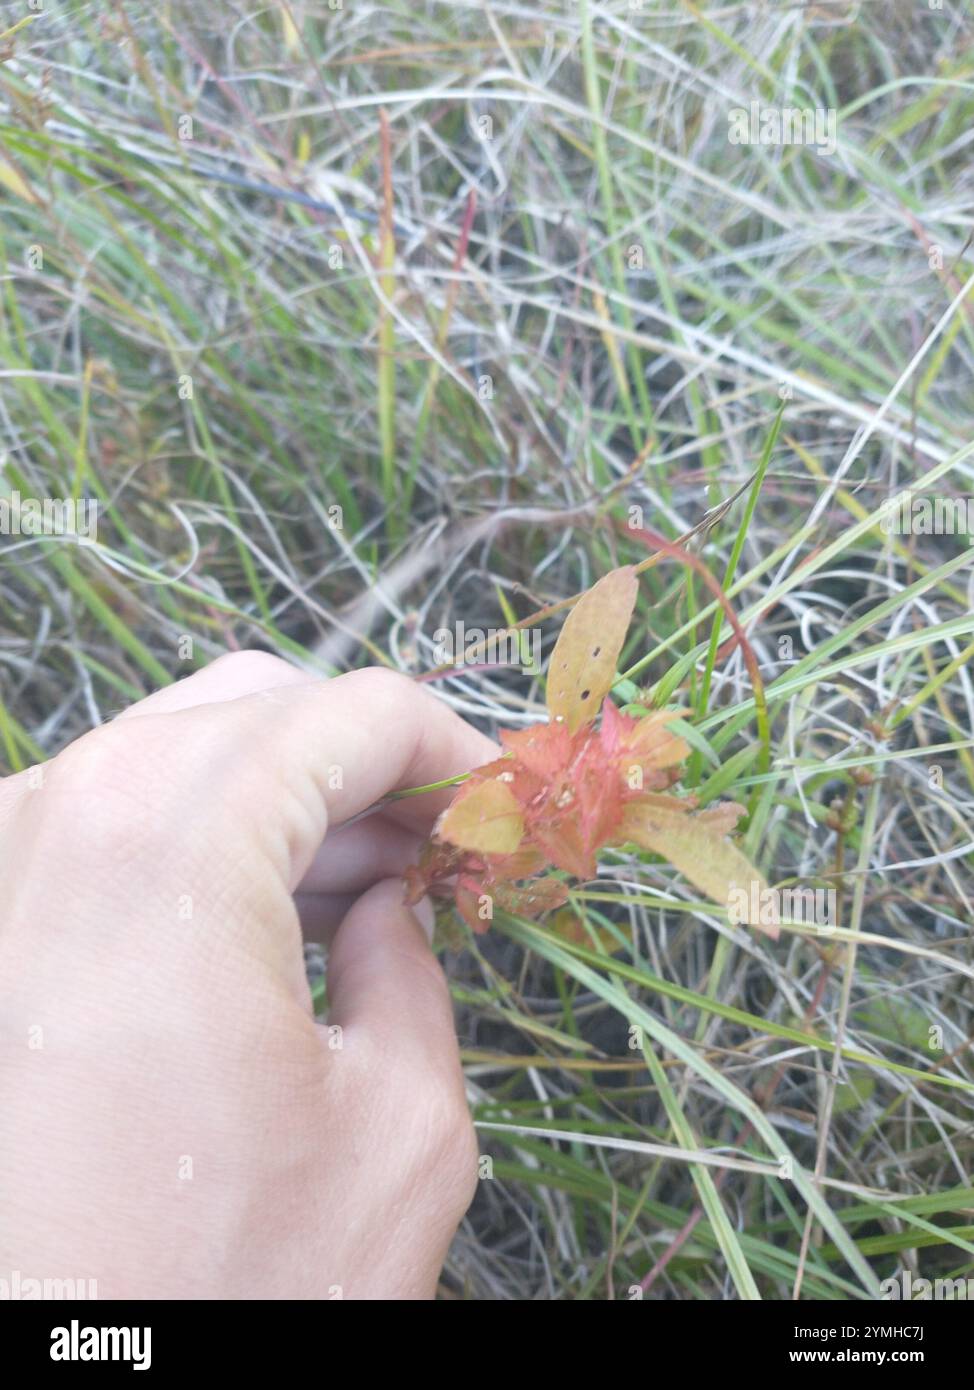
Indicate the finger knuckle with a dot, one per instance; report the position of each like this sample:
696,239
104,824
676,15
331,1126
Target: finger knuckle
99,785
452,1150
93,761
382,683
253,668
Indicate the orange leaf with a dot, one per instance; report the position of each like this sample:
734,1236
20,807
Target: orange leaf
644,745
486,820
722,816
570,926
696,846
582,670
533,900
473,905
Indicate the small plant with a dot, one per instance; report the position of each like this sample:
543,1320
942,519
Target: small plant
564,790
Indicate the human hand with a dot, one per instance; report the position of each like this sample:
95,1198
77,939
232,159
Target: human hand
174,1122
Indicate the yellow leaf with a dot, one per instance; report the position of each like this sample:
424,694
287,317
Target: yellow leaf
487,820
611,344
696,846
9,33
290,34
12,178
583,665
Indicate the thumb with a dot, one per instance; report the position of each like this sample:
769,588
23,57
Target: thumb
386,988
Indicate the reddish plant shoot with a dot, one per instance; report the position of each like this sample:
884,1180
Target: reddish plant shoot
562,791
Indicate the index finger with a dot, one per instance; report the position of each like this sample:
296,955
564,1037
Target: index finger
278,766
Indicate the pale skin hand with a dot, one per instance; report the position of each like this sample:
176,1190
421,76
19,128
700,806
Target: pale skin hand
173,1122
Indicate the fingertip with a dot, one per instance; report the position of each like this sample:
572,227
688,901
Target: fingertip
382,972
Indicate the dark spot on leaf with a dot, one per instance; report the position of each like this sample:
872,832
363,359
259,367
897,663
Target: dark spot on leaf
585,694
597,650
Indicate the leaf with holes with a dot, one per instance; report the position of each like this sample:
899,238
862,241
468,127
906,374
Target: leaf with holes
582,670
696,845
